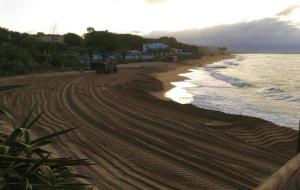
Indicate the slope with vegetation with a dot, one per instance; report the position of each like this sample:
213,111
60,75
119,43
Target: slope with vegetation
21,53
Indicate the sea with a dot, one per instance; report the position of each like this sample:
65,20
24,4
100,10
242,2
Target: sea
265,86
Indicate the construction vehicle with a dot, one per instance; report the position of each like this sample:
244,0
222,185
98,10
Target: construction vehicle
109,65
170,59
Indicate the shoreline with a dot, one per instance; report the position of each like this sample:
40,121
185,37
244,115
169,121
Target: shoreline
172,74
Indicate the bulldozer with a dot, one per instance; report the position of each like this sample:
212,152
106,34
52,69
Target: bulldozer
107,67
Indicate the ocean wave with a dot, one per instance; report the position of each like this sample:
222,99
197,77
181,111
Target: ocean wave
230,62
278,94
222,65
211,67
240,58
250,87
270,90
231,80
232,105
295,99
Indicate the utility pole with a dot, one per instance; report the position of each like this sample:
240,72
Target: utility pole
53,31
298,148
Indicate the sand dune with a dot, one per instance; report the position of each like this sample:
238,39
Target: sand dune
138,141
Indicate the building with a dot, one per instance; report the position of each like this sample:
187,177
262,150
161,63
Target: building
154,46
147,56
97,57
85,60
133,55
49,37
177,51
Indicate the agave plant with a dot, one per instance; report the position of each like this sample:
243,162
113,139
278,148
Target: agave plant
25,164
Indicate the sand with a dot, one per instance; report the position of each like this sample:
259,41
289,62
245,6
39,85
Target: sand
139,141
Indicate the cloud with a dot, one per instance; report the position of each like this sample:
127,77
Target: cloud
265,35
155,1
136,32
288,10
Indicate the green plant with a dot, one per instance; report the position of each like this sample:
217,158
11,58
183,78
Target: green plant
25,164
15,60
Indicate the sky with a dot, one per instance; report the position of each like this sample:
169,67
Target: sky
138,16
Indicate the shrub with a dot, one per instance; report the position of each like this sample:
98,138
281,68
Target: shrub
15,60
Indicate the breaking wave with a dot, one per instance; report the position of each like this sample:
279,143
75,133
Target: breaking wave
278,94
257,85
231,80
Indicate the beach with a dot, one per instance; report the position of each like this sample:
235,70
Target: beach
172,74
137,139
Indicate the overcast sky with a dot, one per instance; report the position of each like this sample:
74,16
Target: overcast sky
138,16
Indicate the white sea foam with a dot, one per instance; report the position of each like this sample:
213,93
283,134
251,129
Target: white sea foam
258,85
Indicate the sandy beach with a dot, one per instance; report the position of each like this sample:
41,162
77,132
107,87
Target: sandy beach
139,141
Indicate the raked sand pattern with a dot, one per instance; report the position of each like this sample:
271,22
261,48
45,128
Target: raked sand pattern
138,141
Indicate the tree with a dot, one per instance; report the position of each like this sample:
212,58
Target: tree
222,50
17,38
101,41
72,39
168,40
14,60
90,29
4,35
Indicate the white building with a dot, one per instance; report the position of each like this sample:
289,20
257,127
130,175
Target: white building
147,56
133,55
154,46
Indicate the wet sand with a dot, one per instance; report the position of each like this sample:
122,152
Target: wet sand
139,141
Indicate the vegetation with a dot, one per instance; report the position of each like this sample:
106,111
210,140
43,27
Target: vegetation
222,50
15,60
21,53
72,39
25,164
172,42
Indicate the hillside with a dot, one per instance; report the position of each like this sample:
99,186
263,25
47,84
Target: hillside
22,53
